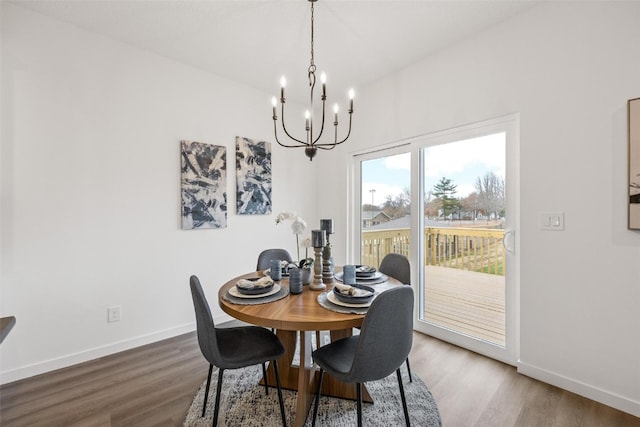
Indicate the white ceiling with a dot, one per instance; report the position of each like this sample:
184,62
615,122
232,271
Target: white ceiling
255,42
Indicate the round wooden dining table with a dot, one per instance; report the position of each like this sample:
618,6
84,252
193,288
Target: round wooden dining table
297,319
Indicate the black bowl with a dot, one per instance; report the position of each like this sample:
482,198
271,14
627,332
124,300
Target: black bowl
254,291
355,299
365,271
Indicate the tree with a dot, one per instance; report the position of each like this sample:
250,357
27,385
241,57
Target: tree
399,205
491,196
470,205
444,191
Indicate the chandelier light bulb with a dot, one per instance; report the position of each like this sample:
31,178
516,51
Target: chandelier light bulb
335,108
323,77
283,83
351,95
274,101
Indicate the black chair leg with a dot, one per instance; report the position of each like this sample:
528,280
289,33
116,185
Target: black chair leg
264,377
218,390
409,370
280,399
404,400
359,396
315,409
206,391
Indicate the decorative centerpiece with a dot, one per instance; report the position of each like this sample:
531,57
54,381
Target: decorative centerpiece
298,226
318,241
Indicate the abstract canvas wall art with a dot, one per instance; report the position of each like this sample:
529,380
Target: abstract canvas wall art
204,185
253,173
633,108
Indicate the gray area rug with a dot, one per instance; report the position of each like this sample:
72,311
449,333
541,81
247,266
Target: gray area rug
244,403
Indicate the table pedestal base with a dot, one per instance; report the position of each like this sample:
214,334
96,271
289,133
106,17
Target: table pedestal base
304,377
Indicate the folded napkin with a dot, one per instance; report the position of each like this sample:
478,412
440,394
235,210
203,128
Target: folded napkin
351,290
262,282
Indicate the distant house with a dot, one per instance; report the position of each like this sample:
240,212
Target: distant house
371,218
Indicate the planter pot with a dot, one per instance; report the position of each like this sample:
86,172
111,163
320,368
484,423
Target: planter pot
307,275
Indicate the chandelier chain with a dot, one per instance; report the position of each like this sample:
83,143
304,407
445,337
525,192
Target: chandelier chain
312,65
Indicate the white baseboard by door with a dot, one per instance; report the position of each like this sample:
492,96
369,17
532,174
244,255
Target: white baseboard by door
94,353
603,396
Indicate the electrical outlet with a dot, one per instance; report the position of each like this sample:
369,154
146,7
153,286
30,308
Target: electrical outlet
113,314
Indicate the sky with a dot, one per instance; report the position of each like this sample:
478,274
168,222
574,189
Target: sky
462,161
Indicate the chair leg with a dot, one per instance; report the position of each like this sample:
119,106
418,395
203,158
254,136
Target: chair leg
280,399
315,409
218,390
359,396
404,400
409,370
264,376
206,391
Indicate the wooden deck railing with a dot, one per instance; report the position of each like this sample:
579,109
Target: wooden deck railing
472,249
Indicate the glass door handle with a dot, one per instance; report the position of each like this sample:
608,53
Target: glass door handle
508,241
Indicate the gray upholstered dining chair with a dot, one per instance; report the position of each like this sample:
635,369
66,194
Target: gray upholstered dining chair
398,267
233,348
383,345
265,257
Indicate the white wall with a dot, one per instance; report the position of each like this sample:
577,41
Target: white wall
91,192
568,68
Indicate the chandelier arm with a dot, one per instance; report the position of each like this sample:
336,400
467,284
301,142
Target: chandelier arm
332,145
322,128
275,132
284,127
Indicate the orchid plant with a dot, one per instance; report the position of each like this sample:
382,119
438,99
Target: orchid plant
298,226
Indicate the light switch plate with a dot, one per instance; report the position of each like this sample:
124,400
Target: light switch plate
552,221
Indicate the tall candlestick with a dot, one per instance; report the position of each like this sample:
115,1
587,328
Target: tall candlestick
317,284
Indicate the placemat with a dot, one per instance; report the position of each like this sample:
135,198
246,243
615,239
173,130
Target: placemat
325,303
361,281
283,292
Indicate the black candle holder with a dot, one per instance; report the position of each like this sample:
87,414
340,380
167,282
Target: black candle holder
327,261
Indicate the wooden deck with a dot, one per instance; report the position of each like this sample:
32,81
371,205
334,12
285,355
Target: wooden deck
466,302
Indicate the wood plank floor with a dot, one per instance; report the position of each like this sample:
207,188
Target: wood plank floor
154,385
466,302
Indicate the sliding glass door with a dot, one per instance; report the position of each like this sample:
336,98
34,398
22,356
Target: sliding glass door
448,201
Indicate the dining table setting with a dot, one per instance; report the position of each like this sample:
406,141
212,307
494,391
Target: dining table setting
274,298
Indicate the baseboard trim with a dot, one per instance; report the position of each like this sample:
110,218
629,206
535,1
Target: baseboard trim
586,390
94,353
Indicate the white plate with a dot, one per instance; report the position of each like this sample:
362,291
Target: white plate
376,276
233,291
332,299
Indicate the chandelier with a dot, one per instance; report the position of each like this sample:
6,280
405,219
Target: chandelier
311,142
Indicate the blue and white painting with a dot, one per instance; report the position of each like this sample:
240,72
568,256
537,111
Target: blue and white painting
253,172
204,185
